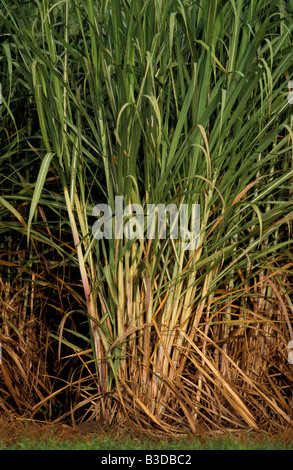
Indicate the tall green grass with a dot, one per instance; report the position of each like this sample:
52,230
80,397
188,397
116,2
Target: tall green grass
161,102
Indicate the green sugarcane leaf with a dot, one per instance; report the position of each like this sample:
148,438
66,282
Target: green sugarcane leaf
39,188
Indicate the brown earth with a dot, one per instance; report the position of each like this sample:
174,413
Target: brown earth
13,430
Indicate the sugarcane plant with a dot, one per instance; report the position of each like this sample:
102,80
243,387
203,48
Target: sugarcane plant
172,103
